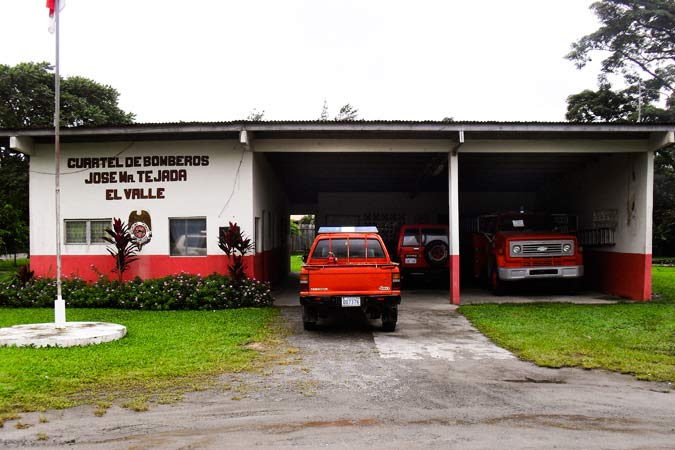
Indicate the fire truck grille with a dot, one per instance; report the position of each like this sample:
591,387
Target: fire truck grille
542,249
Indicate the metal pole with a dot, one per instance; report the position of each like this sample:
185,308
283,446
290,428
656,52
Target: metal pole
59,303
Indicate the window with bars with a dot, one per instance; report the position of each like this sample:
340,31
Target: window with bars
86,231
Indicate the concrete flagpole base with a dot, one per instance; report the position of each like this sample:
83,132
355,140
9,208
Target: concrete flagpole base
72,334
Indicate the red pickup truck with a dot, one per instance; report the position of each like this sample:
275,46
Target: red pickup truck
525,246
349,267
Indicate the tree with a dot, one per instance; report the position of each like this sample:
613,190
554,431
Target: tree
606,105
663,230
347,113
295,228
255,115
324,111
638,37
27,93
13,231
27,101
307,219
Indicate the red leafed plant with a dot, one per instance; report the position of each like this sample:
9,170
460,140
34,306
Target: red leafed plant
121,247
235,244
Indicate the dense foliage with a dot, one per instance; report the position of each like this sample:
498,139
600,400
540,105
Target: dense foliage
180,292
27,93
635,39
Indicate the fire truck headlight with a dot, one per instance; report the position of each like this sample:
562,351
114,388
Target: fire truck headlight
567,248
516,249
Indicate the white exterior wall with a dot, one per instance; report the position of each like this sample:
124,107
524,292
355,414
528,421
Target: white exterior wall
269,201
621,183
203,194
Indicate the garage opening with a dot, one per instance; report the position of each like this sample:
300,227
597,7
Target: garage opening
598,198
603,195
387,190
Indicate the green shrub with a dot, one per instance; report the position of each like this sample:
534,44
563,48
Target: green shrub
184,291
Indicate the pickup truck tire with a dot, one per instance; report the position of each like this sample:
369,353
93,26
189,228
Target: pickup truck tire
389,319
309,318
436,253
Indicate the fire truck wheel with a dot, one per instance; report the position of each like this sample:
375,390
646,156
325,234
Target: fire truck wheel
436,253
496,285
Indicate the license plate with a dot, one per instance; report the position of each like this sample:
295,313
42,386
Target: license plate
411,260
351,301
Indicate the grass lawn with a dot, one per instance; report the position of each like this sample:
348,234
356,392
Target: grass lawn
663,284
8,270
296,263
164,354
631,337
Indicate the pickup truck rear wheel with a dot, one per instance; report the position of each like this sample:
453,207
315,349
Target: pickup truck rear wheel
389,319
309,318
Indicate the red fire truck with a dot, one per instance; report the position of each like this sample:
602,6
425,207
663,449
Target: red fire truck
517,246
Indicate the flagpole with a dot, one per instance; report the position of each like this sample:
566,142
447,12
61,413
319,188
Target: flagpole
59,303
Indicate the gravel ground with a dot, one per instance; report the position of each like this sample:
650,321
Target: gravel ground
434,383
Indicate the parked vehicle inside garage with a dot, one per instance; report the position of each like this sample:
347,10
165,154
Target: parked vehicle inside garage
349,267
517,246
422,250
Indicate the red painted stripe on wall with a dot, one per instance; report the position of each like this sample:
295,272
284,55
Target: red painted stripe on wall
627,275
88,267
454,279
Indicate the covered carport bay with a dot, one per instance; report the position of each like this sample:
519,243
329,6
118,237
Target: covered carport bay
603,174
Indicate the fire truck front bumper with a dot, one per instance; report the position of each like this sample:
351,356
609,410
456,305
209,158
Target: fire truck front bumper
527,273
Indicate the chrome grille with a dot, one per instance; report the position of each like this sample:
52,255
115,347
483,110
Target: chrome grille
541,249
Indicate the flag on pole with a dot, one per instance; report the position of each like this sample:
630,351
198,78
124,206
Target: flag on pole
51,4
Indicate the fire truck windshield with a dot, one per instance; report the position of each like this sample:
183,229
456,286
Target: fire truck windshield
527,222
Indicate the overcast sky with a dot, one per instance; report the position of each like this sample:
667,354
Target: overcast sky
216,60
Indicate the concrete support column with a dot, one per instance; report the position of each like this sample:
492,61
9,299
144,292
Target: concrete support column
648,201
453,238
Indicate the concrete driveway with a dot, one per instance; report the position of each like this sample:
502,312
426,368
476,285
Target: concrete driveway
434,383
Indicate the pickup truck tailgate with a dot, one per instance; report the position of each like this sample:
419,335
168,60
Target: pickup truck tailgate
350,279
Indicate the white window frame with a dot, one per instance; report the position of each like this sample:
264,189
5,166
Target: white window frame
87,231
205,219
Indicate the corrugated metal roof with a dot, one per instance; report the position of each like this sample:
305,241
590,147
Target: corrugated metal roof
355,123
358,129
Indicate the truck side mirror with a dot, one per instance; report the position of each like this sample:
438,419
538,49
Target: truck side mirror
304,255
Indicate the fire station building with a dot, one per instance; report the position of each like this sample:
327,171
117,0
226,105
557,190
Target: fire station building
180,183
